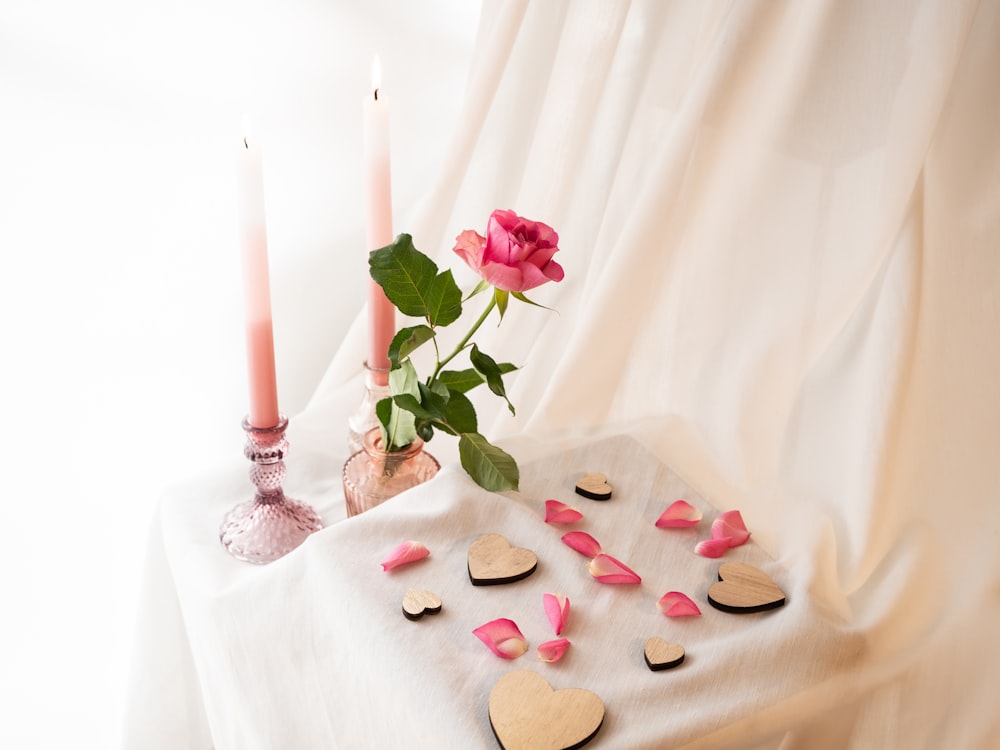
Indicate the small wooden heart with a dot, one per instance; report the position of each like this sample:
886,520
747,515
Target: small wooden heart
595,486
492,560
527,714
417,603
662,655
743,588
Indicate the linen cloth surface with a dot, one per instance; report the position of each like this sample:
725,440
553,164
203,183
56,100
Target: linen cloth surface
780,226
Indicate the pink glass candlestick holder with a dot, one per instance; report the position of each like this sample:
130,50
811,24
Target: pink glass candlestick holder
270,525
364,419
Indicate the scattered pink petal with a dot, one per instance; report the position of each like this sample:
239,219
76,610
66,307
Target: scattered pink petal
680,514
713,547
730,524
502,637
406,552
557,512
676,604
557,610
607,569
582,542
553,650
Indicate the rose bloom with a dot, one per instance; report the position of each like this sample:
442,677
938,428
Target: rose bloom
516,254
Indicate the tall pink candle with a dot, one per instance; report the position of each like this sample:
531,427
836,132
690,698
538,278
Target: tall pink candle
378,211
256,285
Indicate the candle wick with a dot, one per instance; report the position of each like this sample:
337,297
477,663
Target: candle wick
376,94
245,144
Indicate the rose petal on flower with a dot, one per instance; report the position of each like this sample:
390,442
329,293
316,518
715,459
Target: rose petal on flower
557,512
406,552
502,637
557,610
676,604
713,547
607,569
730,524
469,246
582,542
680,514
553,650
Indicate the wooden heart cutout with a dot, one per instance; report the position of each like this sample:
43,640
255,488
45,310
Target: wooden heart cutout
743,588
492,560
527,714
595,486
418,602
662,655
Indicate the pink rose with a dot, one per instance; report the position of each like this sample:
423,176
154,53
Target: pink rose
516,255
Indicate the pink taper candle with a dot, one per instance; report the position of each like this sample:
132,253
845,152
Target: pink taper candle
256,285
378,210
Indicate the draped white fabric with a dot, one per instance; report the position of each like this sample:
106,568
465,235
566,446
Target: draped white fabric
780,224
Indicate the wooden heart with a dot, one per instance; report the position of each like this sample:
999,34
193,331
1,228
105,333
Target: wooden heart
595,486
662,655
527,714
743,588
492,560
417,603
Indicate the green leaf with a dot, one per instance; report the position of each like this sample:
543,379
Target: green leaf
460,413
463,381
405,274
444,300
400,427
408,403
412,283
520,296
489,467
482,286
406,341
489,369
502,296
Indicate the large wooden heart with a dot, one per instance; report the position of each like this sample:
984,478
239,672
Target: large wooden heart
527,714
492,560
744,588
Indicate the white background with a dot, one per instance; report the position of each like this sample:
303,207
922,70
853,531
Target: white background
122,358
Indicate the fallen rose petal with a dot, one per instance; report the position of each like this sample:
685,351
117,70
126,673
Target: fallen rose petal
713,547
406,552
676,604
502,637
607,569
680,514
557,512
582,542
730,524
557,610
553,650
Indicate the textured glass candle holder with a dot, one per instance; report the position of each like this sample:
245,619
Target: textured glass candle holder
363,419
372,475
271,525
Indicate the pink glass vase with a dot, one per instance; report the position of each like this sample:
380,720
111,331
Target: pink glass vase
270,525
363,418
372,475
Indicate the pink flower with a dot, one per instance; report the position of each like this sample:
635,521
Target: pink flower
557,610
553,650
516,254
503,638
676,604
582,542
406,552
730,524
713,547
680,514
557,512
607,569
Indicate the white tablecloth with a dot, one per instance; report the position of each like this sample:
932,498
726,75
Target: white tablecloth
313,650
